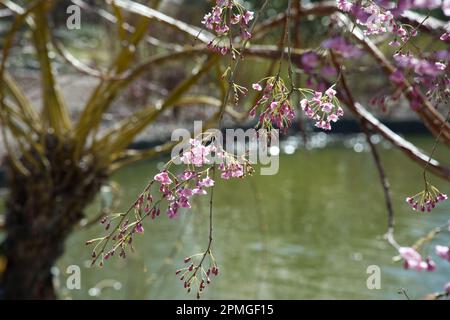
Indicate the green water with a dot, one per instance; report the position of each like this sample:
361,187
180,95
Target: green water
309,232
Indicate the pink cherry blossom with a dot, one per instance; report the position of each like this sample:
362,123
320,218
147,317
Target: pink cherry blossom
247,17
330,92
447,287
163,178
426,200
374,18
328,71
397,77
217,21
186,175
327,107
276,112
430,265
310,60
420,66
185,192
341,46
323,108
344,5
440,65
446,7
206,182
197,154
257,87
184,202
273,105
139,228
199,191
445,36
172,210
233,170
412,259
443,252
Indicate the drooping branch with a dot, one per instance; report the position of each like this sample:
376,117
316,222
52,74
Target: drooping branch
430,116
409,149
432,119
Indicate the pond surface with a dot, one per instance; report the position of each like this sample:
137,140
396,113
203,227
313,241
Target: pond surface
309,232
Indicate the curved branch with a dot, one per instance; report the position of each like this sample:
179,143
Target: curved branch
409,149
129,28
153,14
80,66
327,8
432,119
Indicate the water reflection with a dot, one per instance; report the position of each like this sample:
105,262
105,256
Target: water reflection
309,232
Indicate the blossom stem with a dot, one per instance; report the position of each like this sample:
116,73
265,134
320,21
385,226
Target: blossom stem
234,68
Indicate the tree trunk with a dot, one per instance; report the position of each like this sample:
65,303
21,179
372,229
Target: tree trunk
41,211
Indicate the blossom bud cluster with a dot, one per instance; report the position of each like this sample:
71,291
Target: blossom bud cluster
427,199
221,18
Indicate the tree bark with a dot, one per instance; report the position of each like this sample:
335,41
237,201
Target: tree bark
41,211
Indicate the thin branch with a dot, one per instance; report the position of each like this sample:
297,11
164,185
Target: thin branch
376,156
234,68
409,149
430,116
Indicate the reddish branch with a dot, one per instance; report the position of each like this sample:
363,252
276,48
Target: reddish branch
409,149
404,145
432,119
328,8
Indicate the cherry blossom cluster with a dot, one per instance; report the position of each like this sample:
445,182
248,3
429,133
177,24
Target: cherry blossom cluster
422,67
275,104
429,72
413,260
340,45
319,71
378,16
367,13
323,108
220,20
195,275
170,192
427,199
